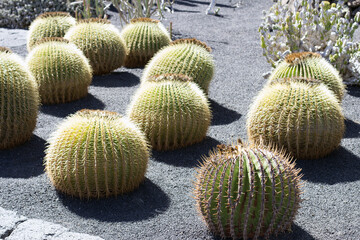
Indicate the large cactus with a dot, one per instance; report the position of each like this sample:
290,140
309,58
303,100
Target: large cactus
190,57
247,192
306,119
101,43
96,154
173,114
19,100
50,24
310,65
143,38
61,70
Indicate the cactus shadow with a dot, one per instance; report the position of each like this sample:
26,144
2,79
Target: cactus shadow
340,166
352,129
145,202
222,115
116,79
186,157
64,109
353,91
23,161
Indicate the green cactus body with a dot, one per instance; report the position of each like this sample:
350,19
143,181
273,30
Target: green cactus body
247,192
305,119
173,114
61,70
50,24
96,154
143,37
101,43
19,100
184,56
310,65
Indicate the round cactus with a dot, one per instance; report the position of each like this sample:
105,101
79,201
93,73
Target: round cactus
50,24
305,119
61,70
19,102
143,37
95,154
247,192
173,114
310,65
101,43
190,57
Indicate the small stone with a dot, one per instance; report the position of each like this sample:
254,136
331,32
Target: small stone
8,222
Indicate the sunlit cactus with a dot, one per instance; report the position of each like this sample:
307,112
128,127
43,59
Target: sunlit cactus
305,119
173,114
101,43
49,24
61,70
247,191
310,65
19,100
96,154
143,38
190,57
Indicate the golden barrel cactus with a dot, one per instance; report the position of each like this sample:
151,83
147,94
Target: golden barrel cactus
19,100
96,154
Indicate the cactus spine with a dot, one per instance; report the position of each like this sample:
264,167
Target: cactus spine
310,65
62,71
190,57
95,154
19,100
305,119
173,114
247,192
50,24
143,38
101,43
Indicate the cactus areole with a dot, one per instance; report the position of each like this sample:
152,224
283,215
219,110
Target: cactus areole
247,192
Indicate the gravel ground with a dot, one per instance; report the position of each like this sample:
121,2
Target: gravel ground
163,207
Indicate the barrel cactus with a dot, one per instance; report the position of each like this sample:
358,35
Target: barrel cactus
190,57
19,102
101,43
310,65
50,24
96,154
173,114
143,38
305,119
247,191
61,70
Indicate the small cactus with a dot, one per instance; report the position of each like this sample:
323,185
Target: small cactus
247,192
61,70
310,65
305,119
143,38
173,114
19,100
50,24
101,43
95,154
190,57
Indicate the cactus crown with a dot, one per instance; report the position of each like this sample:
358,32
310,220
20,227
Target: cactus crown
149,20
51,39
54,14
192,41
295,58
309,81
170,77
94,20
89,113
5,50
247,191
